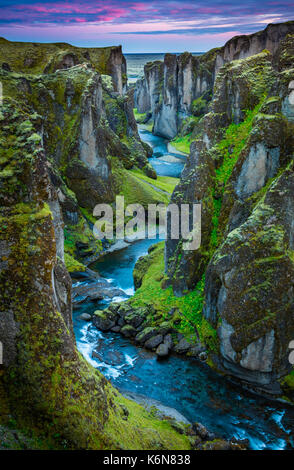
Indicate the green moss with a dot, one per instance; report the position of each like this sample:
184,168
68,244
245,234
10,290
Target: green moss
199,106
230,147
72,265
143,430
36,57
288,380
140,117
80,232
182,143
164,183
136,188
189,319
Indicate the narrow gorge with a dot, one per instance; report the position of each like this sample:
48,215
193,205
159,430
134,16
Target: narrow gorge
123,344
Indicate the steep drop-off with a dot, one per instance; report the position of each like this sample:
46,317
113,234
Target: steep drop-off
237,290
67,140
176,92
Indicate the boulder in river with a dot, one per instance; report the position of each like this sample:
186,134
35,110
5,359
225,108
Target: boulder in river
104,320
202,432
183,346
162,350
116,329
168,341
128,331
145,334
135,319
153,342
95,290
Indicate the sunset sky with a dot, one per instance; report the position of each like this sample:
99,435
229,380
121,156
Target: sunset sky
143,26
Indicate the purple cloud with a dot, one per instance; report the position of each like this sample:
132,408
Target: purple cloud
109,19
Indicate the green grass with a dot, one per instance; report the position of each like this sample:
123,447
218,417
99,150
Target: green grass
189,318
142,430
165,183
182,143
229,150
289,380
232,144
137,188
140,117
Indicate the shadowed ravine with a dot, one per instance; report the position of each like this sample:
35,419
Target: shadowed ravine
186,385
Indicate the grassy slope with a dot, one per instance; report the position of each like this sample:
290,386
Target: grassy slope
190,306
34,57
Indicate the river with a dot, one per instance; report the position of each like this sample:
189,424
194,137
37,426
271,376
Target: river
187,385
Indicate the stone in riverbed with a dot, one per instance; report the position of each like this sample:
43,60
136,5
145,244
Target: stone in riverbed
203,356
121,322
168,341
217,444
162,350
116,329
104,320
144,335
134,319
183,346
128,331
153,342
197,350
201,431
124,310
85,317
164,328
114,307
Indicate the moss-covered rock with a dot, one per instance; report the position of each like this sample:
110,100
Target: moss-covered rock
47,390
249,290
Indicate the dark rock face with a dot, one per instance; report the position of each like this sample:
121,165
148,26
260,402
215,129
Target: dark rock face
249,285
35,298
148,90
185,268
169,89
57,147
181,81
88,131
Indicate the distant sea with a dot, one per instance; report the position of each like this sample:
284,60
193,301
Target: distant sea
136,62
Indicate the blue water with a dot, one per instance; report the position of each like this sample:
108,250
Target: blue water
187,385
160,151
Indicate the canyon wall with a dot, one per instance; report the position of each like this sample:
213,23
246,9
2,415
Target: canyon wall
184,84
240,169
68,139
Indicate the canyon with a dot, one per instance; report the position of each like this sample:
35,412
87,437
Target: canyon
69,141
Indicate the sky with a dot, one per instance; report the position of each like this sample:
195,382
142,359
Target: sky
140,26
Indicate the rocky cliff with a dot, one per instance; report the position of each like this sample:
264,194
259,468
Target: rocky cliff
67,139
40,58
181,87
88,127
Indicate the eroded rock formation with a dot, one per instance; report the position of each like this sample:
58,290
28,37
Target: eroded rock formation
182,86
241,170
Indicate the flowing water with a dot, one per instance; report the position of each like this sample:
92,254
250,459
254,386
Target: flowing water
187,385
